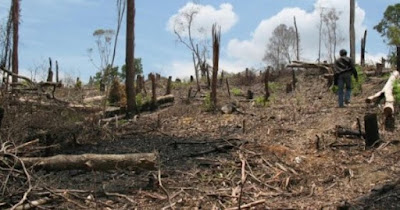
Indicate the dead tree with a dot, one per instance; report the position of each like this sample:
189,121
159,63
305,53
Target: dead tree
169,84
371,129
352,31
129,58
227,87
153,91
50,73
363,43
294,80
216,39
266,88
297,41
57,79
221,80
15,20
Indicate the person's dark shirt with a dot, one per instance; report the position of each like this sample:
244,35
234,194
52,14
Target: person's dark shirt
345,64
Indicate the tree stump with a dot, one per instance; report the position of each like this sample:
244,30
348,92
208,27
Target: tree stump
169,84
371,129
250,95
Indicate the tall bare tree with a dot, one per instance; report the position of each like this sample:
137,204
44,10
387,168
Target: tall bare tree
281,48
332,36
297,39
129,58
121,5
183,29
352,31
216,40
16,11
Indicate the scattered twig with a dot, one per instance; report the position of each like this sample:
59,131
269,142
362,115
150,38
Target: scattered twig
249,205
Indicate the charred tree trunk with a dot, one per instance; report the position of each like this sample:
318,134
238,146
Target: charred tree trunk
138,84
221,80
266,88
297,41
129,59
50,73
153,92
363,43
227,87
196,69
57,78
294,79
16,11
352,31
371,129
169,84
216,39
379,69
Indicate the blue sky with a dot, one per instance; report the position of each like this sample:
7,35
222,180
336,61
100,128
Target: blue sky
62,29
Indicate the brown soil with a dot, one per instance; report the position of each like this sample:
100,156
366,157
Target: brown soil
210,160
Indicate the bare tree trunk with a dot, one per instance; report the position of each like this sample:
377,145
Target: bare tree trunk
227,86
7,50
169,86
57,79
153,91
398,58
352,31
266,79
50,73
297,40
320,39
16,10
363,43
216,39
196,69
120,10
130,54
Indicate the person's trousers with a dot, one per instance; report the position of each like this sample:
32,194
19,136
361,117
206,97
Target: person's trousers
344,80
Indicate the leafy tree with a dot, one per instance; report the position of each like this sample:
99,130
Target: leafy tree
389,26
281,48
138,69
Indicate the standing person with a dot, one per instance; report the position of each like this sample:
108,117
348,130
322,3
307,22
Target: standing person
343,69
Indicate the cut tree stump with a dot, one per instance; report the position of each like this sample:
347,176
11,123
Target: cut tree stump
100,162
371,129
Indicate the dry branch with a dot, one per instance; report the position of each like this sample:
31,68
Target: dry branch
93,161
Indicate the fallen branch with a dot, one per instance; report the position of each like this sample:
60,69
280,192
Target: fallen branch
249,205
387,93
93,161
33,204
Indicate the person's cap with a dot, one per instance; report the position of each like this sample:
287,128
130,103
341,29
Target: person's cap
342,52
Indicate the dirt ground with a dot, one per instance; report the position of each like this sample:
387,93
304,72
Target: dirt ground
260,157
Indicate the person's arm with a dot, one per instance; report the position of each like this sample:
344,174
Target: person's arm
354,70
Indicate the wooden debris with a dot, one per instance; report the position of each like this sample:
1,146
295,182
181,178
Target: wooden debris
93,162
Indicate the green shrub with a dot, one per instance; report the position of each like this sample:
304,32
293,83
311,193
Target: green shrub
274,86
356,86
334,88
208,104
236,91
140,100
396,91
261,102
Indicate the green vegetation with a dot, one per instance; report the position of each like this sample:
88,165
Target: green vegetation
236,91
261,102
356,86
140,100
396,91
208,105
274,86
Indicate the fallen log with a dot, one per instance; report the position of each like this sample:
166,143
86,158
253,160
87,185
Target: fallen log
159,101
92,99
387,93
99,162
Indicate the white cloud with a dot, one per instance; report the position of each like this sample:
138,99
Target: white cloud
207,15
252,50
